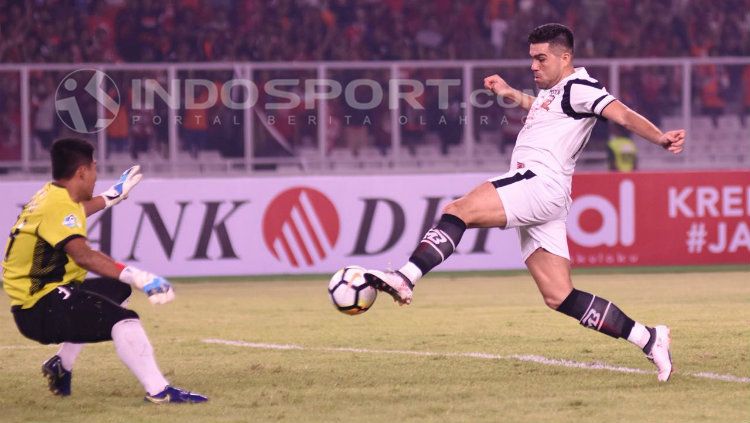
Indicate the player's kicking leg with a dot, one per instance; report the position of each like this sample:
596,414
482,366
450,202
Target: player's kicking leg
394,283
552,275
480,208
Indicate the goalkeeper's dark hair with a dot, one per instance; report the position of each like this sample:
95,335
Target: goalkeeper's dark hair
554,34
68,154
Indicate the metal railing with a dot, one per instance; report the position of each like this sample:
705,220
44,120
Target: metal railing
23,80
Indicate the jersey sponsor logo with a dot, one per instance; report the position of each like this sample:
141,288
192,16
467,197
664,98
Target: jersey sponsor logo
547,102
301,226
71,221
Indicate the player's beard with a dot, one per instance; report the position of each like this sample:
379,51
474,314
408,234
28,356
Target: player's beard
88,195
540,83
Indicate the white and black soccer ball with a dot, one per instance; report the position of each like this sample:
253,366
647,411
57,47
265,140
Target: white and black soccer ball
350,292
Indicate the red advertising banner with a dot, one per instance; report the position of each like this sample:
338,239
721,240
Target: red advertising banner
650,219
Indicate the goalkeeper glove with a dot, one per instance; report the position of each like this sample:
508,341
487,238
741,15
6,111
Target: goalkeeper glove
120,190
159,291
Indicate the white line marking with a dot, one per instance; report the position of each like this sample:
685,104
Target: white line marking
587,309
726,378
577,364
516,357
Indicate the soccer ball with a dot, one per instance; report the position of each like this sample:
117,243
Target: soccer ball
350,292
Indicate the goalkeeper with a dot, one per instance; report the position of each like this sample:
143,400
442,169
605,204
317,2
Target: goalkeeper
46,261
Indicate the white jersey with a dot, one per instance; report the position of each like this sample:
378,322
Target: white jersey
559,125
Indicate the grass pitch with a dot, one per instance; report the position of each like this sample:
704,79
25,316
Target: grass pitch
499,315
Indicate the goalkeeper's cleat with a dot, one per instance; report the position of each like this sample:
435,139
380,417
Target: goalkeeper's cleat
393,283
58,378
174,395
659,352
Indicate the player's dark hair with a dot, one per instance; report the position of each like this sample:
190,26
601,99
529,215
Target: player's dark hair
68,154
553,33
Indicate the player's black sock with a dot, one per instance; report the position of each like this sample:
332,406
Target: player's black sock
597,313
438,243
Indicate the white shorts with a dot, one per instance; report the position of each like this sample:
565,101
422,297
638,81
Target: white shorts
537,207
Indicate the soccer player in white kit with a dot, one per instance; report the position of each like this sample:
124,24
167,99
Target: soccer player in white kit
534,196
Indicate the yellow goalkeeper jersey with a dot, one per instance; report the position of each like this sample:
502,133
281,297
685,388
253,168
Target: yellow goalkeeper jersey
35,261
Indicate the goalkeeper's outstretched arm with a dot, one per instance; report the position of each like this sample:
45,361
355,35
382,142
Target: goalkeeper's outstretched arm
116,193
94,205
159,291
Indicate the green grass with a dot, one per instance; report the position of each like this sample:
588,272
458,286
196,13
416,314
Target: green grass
494,314
495,273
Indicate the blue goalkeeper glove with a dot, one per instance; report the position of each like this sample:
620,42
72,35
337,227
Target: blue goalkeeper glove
119,191
159,291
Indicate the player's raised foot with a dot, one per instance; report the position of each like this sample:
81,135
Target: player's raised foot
393,283
58,378
173,395
660,353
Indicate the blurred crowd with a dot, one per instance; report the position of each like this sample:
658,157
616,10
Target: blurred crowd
67,31
121,31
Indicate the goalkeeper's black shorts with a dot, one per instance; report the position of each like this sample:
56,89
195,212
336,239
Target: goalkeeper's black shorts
80,313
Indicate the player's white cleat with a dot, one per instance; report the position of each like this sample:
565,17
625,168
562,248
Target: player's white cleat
393,283
660,353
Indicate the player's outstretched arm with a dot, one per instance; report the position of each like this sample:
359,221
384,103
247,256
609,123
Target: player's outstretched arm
497,85
158,289
632,121
94,205
116,193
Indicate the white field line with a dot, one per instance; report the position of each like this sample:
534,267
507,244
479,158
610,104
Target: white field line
515,357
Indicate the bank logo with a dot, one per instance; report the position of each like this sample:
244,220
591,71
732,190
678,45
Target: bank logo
301,226
87,101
